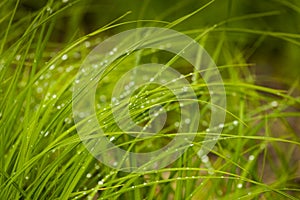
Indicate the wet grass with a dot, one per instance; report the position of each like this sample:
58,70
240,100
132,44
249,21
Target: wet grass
42,156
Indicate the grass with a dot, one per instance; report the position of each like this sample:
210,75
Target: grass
43,157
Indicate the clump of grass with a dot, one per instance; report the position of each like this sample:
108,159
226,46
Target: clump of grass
42,157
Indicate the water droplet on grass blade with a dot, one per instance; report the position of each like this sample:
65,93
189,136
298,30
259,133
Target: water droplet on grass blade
251,157
89,175
101,182
64,57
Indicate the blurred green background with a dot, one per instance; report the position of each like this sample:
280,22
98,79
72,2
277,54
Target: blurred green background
274,56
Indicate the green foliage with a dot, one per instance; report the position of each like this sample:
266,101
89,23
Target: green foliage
256,48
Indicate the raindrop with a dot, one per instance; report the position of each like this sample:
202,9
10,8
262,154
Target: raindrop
89,175
68,120
51,67
274,103
39,90
46,134
205,159
70,68
87,44
18,57
64,57
221,125
251,157
49,10
187,121
112,139
100,182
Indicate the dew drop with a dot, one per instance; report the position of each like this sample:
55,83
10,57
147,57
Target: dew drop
87,44
205,159
187,121
240,185
18,57
251,157
274,103
46,134
221,125
88,175
64,57
100,182
235,122
52,67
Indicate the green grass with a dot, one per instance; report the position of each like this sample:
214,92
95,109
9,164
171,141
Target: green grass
42,48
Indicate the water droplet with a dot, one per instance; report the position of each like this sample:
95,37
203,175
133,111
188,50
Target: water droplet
112,138
100,182
64,57
70,68
235,122
187,121
49,10
65,1
240,185
52,67
274,103
221,125
88,175
68,120
18,57
205,159
251,157
54,96
39,90
87,44
46,134
26,177
176,124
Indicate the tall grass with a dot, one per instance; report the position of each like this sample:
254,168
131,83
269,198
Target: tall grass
42,156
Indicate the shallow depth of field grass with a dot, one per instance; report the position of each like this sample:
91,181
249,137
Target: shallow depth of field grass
256,46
